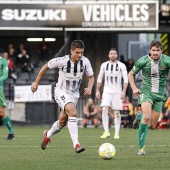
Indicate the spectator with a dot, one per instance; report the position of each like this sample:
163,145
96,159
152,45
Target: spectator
90,112
23,62
10,66
128,112
20,48
130,64
12,54
167,113
122,59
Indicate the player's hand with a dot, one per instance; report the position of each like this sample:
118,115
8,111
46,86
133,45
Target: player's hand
136,92
34,87
87,91
122,95
97,94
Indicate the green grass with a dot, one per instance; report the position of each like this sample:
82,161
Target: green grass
24,152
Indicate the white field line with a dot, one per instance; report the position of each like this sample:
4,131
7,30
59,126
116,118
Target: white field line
121,146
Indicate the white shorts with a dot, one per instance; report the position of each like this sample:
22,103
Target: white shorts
112,100
62,98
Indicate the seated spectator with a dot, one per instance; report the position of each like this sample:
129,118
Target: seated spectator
90,112
23,62
12,54
10,66
167,113
128,112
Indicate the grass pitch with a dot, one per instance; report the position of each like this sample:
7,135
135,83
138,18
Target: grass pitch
24,152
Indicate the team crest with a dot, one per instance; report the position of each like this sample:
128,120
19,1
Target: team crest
82,68
162,67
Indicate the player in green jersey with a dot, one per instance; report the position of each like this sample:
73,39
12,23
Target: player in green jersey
151,96
3,76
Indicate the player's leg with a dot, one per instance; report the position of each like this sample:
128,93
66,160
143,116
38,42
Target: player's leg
6,119
72,127
117,124
106,103
117,106
143,126
156,110
138,118
105,122
56,128
8,123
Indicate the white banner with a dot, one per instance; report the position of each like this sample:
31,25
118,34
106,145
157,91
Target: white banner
24,93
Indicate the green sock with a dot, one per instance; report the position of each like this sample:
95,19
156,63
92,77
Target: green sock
142,132
139,118
8,123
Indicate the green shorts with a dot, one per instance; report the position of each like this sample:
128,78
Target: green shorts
156,100
2,97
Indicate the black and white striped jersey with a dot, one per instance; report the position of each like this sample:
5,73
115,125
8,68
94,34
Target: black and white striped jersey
113,74
70,74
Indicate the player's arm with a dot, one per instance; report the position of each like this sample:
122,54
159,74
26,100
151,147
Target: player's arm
99,81
125,81
98,90
34,86
87,91
135,90
5,71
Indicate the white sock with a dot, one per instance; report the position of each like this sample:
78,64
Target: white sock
117,122
105,120
73,129
54,129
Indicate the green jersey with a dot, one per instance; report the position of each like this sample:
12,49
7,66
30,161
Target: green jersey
154,74
3,70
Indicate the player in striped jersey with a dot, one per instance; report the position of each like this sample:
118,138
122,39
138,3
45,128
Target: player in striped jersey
71,69
152,94
113,71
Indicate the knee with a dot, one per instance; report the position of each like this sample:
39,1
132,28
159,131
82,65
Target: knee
146,118
72,114
62,123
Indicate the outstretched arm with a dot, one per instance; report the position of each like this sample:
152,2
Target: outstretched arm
34,86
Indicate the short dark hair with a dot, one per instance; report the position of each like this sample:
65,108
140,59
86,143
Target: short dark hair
113,49
77,44
156,43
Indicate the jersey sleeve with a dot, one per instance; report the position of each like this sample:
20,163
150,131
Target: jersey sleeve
4,70
88,70
56,62
124,73
101,74
137,67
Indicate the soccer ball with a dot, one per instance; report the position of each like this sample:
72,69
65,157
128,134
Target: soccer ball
107,151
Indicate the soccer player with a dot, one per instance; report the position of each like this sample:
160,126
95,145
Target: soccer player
4,76
71,69
113,71
151,95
